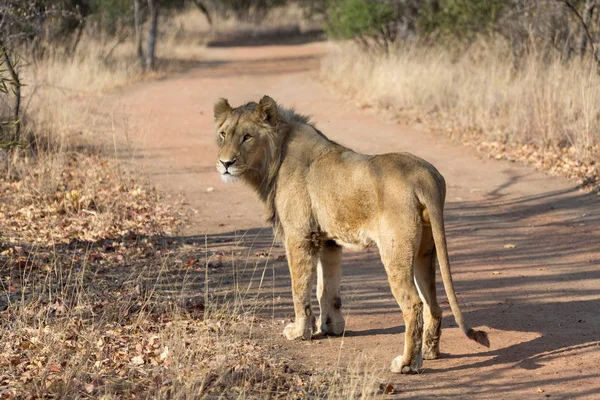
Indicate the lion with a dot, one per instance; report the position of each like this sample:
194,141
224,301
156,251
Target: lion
321,196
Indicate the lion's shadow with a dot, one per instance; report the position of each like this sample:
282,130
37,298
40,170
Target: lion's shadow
528,288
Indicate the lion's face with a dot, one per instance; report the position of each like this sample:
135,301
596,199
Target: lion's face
242,138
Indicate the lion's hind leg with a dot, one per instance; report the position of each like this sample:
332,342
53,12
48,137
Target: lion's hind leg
398,255
331,321
425,280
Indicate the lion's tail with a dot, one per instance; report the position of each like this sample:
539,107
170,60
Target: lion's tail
436,216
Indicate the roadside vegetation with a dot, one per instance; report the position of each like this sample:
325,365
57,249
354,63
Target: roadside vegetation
518,80
99,297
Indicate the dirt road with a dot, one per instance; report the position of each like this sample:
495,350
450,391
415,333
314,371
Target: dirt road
524,247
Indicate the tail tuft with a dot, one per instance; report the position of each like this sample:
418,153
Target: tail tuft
480,337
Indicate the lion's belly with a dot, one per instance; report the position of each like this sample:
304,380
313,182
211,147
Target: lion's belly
356,242
345,206
347,226
348,236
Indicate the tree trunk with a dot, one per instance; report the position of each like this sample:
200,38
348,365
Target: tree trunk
16,84
598,39
588,11
137,20
568,50
152,32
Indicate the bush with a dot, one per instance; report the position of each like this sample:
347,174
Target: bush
349,19
462,19
112,14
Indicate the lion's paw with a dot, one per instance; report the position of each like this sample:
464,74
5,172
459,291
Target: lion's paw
430,353
400,367
300,329
334,325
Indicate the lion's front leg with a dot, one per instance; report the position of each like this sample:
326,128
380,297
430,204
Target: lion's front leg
302,262
329,273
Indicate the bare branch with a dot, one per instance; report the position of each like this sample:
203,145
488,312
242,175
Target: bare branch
585,28
203,10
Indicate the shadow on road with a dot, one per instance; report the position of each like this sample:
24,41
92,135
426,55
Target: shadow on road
529,265
282,37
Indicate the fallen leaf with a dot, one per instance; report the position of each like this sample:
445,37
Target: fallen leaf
94,256
165,353
387,388
539,390
191,261
54,368
496,273
137,360
509,246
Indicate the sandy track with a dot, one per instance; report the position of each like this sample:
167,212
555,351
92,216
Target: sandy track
540,300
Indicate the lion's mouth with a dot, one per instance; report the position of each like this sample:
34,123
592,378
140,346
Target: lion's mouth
229,174
228,177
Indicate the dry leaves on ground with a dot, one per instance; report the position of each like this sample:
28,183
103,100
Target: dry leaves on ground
96,300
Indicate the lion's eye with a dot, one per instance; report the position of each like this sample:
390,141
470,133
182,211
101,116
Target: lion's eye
247,137
222,135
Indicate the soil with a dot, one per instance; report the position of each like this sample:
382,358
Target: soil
524,247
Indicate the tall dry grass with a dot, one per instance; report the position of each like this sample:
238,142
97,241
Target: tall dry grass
538,98
63,89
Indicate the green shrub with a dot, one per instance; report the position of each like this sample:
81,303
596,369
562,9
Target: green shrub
462,19
348,19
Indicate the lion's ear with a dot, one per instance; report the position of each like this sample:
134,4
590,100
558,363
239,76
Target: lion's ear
267,109
221,108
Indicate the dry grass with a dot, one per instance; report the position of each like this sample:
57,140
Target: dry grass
97,302
543,101
96,299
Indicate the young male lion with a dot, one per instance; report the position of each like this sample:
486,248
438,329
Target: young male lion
321,196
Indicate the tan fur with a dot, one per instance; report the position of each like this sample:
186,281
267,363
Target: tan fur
321,196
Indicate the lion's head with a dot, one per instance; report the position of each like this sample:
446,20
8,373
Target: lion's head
245,136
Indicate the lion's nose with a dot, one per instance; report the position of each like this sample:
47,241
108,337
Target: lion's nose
229,163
